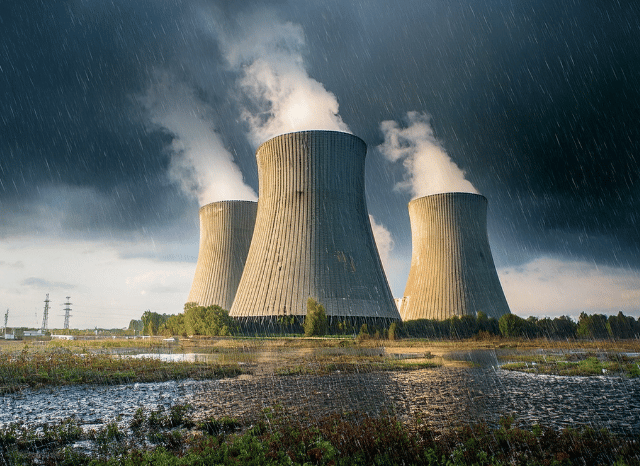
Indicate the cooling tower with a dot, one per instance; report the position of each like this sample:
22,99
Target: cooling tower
312,236
226,228
452,270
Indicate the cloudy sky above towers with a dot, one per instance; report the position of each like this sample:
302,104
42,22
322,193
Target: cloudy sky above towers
118,119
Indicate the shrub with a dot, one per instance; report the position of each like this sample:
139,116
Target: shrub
315,322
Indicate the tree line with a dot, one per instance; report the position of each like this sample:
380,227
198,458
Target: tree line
215,321
594,326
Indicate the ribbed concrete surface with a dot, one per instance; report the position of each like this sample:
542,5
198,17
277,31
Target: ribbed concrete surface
226,229
312,236
452,270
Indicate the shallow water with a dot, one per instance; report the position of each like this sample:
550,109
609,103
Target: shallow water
441,397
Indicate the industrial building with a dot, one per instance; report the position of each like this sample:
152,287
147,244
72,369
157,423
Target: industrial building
312,234
226,228
452,271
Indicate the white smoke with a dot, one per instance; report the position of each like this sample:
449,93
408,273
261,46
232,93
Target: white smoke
384,241
428,168
200,163
278,95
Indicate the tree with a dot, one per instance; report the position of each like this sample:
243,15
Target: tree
592,326
210,320
364,332
512,326
152,321
391,334
174,326
621,326
136,325
315,322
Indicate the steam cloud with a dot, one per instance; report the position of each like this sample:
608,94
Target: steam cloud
384,241
429,170
200,163
277,94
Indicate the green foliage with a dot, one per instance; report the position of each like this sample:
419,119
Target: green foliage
136,325
209,321
224,425
454,327
511,325
559,328
391,334
592,326
315,322
596,326
338,439
174,326
621,326
152,321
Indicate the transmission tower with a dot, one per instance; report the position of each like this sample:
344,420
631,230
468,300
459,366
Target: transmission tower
67,313
6,319
45,316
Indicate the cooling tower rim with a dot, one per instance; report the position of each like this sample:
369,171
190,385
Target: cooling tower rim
228,201
449,194
311,131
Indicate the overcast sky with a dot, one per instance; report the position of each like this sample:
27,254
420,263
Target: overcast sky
119,119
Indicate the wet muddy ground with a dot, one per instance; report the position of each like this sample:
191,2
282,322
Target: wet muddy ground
441,397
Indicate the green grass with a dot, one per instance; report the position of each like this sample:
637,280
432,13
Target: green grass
279,438
352,364
575,365
62,367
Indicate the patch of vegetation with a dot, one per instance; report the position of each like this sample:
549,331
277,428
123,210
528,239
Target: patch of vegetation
315,322
278,438
361,366
577,364
62,367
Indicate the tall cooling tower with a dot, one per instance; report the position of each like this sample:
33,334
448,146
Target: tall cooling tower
312,236
452,270
226,228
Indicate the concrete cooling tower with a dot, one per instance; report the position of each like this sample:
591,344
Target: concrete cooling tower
226,228
312,236
452,270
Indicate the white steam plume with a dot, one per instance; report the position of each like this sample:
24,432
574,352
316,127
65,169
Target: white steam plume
200,163
384,241
429,170
278,94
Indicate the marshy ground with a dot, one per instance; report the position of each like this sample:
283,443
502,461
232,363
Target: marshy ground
93,394
114,361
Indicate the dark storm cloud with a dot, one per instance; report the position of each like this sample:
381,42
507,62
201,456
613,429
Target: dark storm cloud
536,102
65,115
